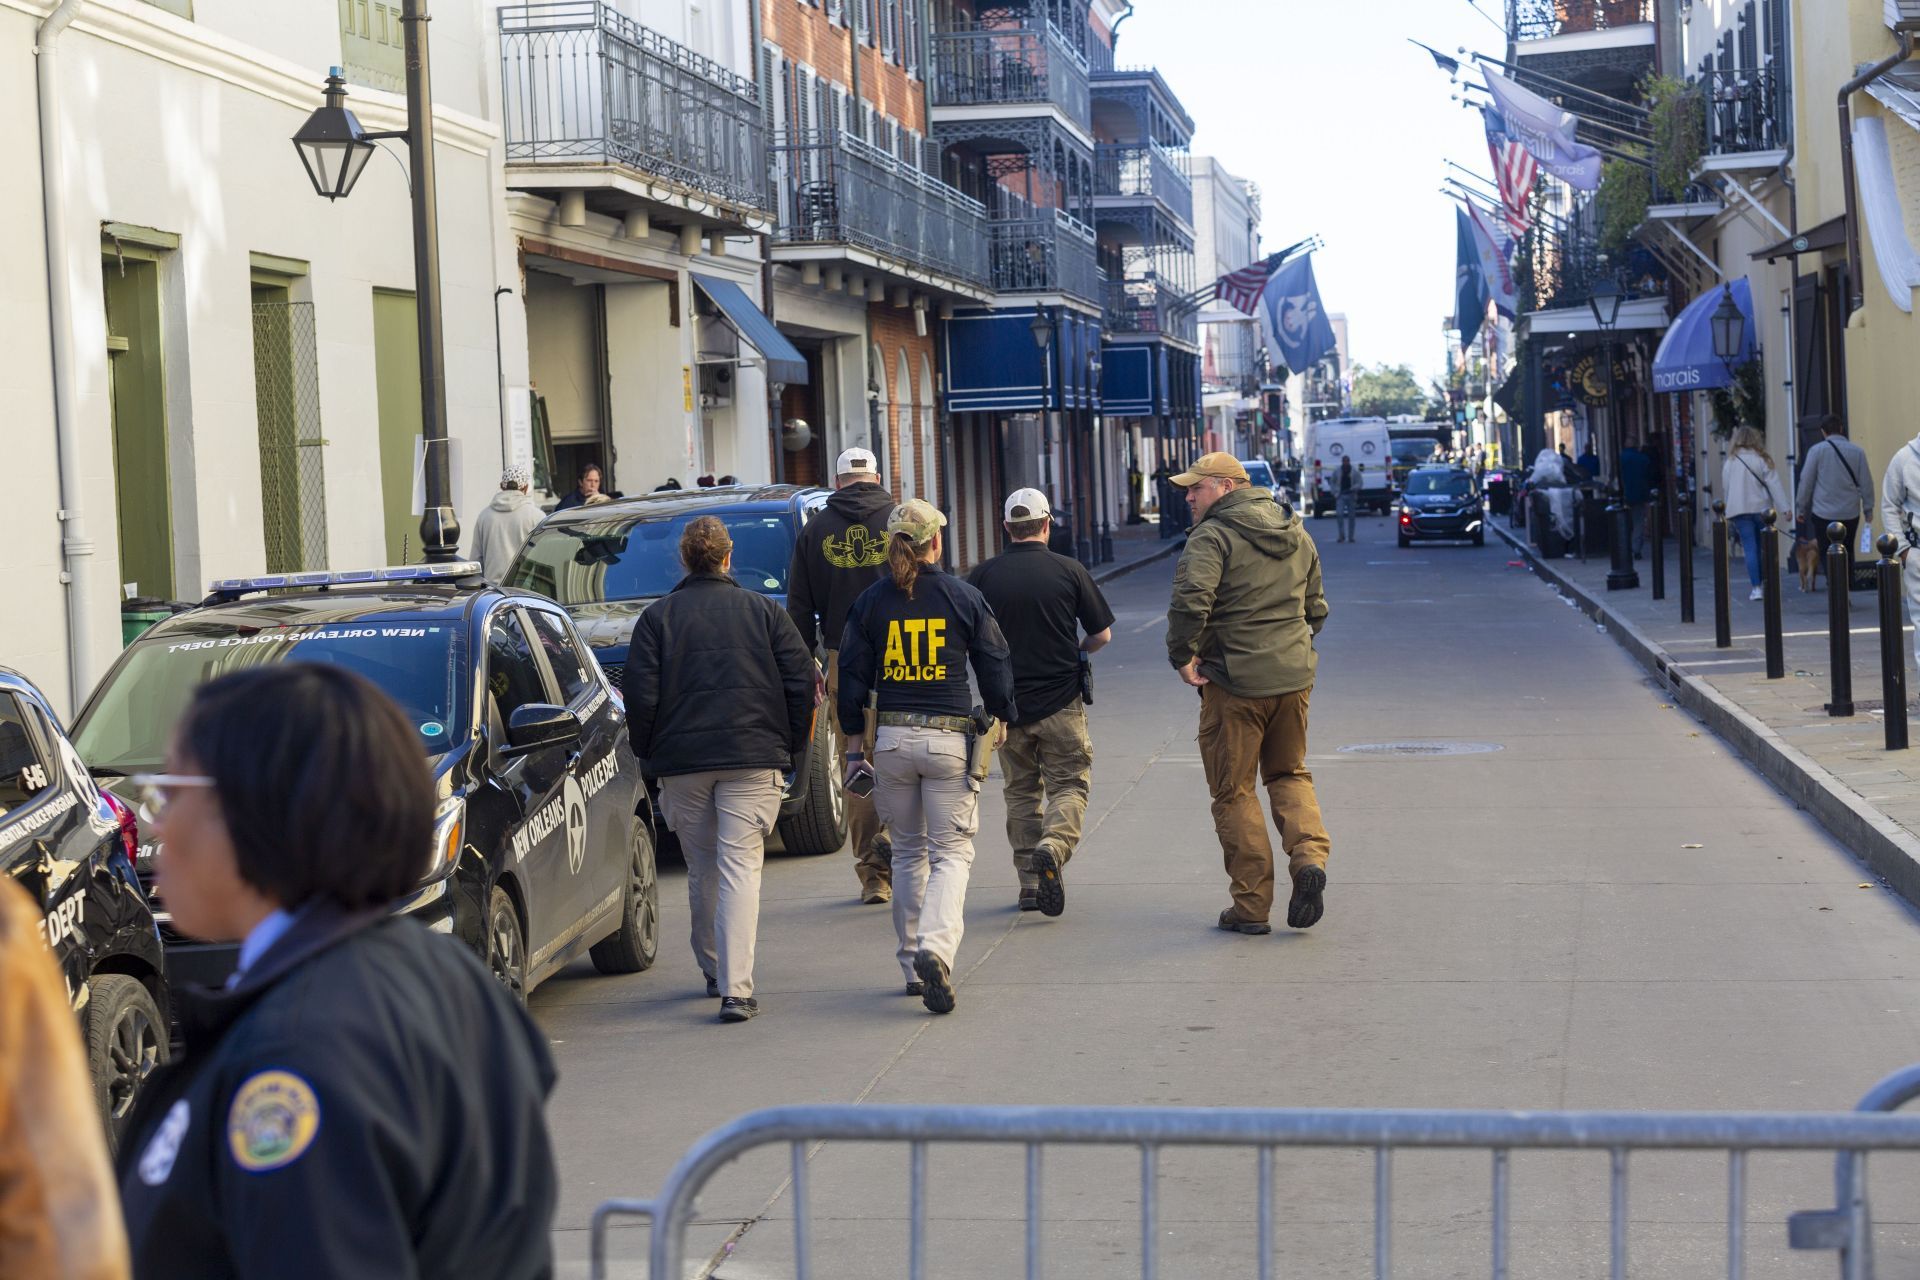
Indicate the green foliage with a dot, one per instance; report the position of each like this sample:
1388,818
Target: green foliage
1742,404
1677,119
1386,390
1625,193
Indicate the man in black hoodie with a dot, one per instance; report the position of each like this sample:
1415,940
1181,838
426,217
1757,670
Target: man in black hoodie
839,554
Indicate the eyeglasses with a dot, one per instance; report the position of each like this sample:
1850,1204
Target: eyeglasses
153,791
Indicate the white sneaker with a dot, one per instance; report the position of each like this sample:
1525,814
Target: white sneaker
1756,594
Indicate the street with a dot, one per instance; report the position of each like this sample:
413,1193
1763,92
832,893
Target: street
1607,910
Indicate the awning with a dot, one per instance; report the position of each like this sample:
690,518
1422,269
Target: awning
1685,360
1132,383
785,364
1831,234
994,366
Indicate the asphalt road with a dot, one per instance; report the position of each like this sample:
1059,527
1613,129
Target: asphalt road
1608,910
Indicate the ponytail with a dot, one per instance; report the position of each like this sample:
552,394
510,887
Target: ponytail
903,561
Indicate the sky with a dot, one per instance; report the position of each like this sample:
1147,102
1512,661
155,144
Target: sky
1346,128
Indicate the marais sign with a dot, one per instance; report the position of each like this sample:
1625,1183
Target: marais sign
569,810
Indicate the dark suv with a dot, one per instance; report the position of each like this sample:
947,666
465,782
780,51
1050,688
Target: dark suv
1441,502
607,563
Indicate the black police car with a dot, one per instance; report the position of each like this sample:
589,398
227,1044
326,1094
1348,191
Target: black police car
71,845
607,563
1441,502
542,844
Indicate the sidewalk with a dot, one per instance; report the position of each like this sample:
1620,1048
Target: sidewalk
1133,546
1837,768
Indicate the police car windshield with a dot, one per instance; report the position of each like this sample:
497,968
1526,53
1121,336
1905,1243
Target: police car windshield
629,559
127,726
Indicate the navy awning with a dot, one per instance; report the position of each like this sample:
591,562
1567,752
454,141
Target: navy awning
1130,379
785,364
994,365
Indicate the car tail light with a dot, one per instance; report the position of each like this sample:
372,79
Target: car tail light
129,825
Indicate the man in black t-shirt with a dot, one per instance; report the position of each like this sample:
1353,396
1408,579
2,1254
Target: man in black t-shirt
1053,616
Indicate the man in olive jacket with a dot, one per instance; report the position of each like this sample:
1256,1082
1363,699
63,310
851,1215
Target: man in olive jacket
1246,605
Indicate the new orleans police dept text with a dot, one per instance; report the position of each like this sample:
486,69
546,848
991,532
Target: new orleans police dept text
553,814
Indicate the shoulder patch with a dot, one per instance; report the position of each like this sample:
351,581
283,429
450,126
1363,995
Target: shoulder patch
272,1122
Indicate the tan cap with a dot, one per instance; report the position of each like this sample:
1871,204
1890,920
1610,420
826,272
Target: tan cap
916,518
1220,466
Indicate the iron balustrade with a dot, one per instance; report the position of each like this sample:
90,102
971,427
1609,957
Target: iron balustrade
1048,254
1144,170
1544,19
1746,110
582,83
1145,306
1007,63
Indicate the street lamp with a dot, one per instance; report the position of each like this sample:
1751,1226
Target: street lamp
1041,328
334,149
1729,329
1102,444
1605,304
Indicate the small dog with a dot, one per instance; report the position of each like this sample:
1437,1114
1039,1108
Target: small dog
1807,557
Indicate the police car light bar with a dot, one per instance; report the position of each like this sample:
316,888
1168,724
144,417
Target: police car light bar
349,577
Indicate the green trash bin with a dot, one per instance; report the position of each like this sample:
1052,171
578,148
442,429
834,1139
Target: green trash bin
138,614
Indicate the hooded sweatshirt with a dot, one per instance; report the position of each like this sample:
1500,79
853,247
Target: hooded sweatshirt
837,556
1247,597
502,529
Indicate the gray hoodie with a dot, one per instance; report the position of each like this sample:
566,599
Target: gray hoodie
502,530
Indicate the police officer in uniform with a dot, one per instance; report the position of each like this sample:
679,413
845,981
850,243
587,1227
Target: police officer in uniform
1053,616
911,637
364,1098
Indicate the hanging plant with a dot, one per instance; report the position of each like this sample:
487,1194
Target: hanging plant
1677,122
1623,199
1743,403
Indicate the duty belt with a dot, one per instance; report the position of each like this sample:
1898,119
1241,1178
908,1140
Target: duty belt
914,720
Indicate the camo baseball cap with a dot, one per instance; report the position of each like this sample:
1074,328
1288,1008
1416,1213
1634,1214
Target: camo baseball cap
916,518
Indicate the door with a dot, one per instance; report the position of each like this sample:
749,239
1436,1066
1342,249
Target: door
396,364
286,396
599,863
137,394
538,846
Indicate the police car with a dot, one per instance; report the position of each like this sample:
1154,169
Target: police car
72,846
542,845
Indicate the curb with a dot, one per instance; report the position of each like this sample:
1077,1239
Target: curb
1120,571
1887,849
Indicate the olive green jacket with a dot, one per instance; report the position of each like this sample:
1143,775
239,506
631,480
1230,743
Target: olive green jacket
1247,597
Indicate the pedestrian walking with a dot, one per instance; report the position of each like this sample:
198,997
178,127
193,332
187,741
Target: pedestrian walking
503,525
1836,483
1752,487
720,700
591,478
910,639
1247,604
1900,516
1346,501
1636,494
363,1098
841,553
1054,618
59,1212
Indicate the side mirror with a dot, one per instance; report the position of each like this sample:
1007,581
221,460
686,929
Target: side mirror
538,725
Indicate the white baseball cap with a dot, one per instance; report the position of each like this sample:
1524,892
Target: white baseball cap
1028,504
857,462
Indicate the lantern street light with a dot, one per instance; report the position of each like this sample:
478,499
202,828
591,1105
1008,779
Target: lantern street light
332,145
1729,329
1604,301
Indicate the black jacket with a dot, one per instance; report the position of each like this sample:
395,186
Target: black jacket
717,679
916,650
367,1101
832,564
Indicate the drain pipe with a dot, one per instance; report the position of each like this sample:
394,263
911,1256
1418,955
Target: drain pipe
76,548
1856,287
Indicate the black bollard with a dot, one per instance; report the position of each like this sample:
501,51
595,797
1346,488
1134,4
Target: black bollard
1722,615
1893,657
1839,640
1656,549
1686,554
1770,596
1623,576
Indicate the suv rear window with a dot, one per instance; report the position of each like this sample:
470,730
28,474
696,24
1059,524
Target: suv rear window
592,561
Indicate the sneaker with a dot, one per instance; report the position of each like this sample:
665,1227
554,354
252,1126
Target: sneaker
713,988
1234,924
876,893
1757,593
1050,894
936,982
916,988
739,1008
1029,903
1305,908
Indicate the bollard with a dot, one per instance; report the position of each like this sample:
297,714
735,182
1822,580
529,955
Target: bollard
1656,549
1893,656
1839,641
1623,576
1770,596
1722,615
1686,554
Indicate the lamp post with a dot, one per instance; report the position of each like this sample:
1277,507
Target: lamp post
1605,304
1729,329
1042,328
1104,462
335,150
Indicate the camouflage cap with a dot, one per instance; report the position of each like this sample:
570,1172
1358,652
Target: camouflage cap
916,518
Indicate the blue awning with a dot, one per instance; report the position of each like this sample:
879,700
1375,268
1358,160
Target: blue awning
1685,360
785,364
994,365
1130,378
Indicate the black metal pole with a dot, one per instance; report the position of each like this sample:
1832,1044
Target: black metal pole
1893,657
1656,548
1722,615
1623,577
439,528
1770,596
1839,641
1579,524
1686,554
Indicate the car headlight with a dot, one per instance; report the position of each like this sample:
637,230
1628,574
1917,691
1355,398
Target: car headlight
449,826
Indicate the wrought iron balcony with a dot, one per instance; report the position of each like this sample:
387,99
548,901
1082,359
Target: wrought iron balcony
1746,111
583,84
834,188
1010,62
1048,254
1146,306
1544,19
1147,172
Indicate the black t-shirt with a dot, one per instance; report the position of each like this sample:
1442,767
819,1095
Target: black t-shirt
1039,596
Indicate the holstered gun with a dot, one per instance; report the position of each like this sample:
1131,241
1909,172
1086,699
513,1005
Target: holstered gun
872,729
980,745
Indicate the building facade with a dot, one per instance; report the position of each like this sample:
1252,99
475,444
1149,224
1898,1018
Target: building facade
1226,216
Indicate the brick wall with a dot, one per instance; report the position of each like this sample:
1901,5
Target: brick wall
908,418
805,35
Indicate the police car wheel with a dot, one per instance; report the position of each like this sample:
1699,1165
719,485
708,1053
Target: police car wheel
507,944
636,944
126,1040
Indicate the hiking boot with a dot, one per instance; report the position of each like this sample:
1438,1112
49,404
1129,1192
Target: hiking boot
1234,924
1028,902
916,988
1305,908
877,892
739,1008
713,988
1050,894
936,981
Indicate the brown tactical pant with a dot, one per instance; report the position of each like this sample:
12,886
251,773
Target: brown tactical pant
863,823
1237,736
1048,767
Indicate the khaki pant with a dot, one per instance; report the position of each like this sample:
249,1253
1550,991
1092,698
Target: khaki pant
932,808
1237,737
863,822
1048,766
723,819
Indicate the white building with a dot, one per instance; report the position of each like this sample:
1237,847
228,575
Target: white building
1226,216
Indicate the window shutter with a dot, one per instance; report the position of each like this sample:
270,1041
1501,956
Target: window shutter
767,95
839,109
803,99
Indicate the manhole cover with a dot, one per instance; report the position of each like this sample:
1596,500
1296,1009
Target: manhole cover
1420,748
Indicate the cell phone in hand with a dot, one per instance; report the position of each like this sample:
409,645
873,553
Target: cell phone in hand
861,784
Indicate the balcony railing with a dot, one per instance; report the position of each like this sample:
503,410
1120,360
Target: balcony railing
1543,19
834,188
581,83
1145,306
1746,111
1050,254
1148,172
1009,63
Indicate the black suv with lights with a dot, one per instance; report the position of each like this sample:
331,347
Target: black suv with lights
1441,502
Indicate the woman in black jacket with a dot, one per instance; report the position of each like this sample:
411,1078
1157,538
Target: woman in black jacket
720,698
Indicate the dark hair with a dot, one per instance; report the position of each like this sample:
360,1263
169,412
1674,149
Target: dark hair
1018,529
593,466
1830,424
903,560
321,779
705,545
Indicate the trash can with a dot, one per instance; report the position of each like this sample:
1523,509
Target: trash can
1540,529
1499,495
1593,526
141,612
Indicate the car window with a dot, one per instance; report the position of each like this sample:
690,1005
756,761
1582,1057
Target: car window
1259,473
23,774
585,562
513,677
1450,483
563,655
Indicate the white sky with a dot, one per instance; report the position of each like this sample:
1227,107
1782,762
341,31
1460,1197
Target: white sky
1345,126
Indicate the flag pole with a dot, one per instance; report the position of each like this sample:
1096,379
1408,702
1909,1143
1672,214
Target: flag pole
1559,86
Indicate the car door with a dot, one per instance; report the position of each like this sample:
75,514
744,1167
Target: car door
48,837
600,866
537,846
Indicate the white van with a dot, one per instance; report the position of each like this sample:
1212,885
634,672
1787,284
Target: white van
1362,439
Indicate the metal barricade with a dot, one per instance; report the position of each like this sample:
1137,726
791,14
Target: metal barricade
1846,1228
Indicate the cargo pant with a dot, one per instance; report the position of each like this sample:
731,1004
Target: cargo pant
723,819
863,822
932,808
1048,767
1240,737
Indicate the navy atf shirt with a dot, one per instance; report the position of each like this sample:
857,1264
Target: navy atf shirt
915,651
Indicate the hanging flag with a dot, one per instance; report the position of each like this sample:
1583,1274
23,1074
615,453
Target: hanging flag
1469,281
1496,277
1514,171
1241,289
1449,65
1297,330
1546,131
1496,224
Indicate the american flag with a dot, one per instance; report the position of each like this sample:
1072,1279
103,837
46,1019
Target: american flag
1241,289
1514,169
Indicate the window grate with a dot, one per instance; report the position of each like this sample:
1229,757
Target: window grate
286,383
